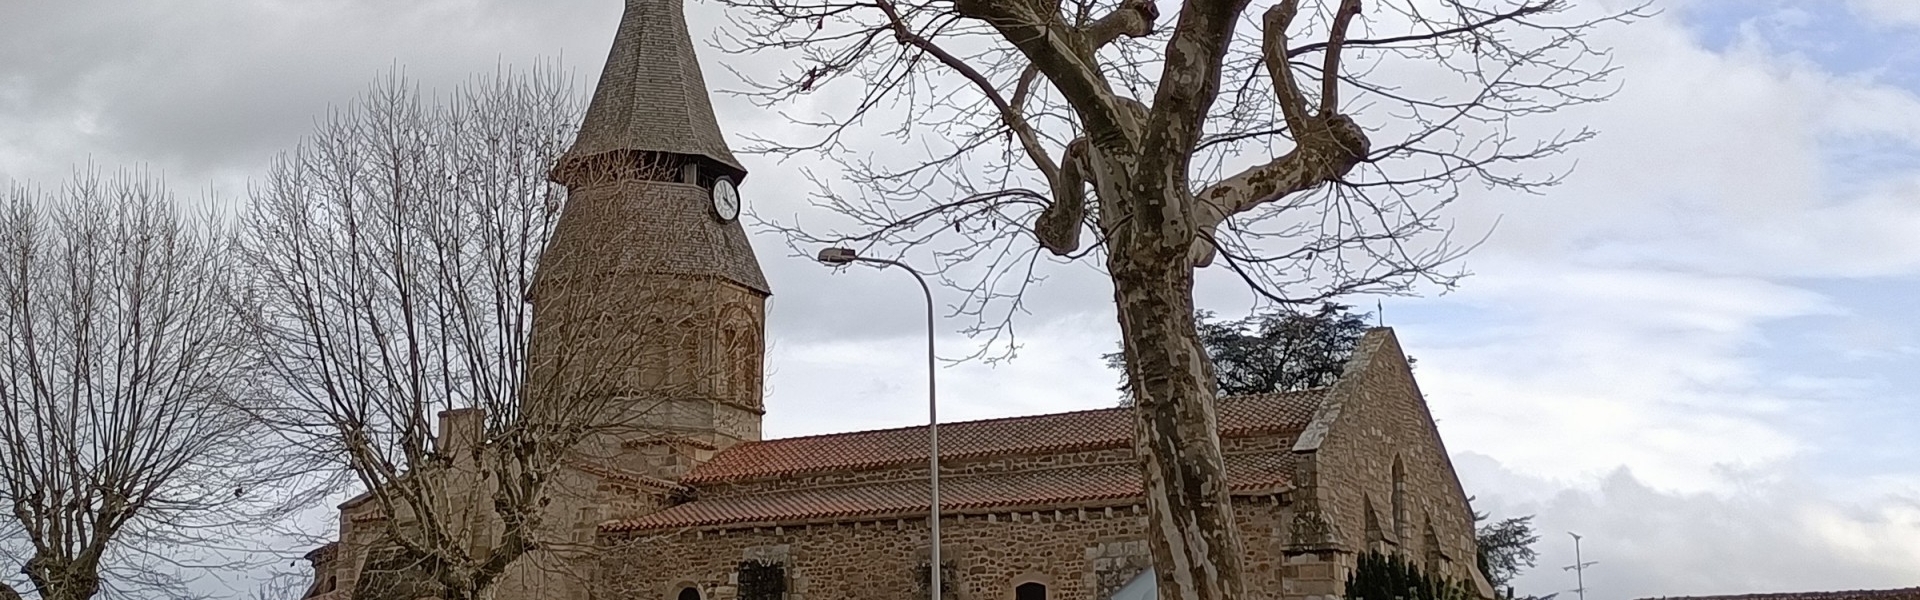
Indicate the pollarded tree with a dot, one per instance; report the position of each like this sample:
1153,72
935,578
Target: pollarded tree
1307,147
393,256
125,429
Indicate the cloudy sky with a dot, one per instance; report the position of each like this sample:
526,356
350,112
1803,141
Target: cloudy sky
1702,353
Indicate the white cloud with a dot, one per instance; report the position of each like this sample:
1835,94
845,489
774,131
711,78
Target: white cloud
1776,534
1622,321
824,386
1896,12
1586,371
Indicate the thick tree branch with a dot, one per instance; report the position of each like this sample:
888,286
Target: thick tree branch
1058,227
1132,18
1330,70
1293,107
1060,53
1189,82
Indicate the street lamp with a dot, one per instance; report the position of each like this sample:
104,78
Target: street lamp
844,256
1579,568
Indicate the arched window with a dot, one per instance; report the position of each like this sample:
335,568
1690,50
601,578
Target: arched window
1032,590
688,593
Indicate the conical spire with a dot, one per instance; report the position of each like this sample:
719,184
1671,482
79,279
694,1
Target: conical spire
651,97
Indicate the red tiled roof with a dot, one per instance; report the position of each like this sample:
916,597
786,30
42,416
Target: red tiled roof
1040,489
1040,434
1912,593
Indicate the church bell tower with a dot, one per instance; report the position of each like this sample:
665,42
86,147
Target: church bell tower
648,295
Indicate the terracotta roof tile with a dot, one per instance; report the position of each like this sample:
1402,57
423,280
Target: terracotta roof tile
1041,489
1912,593
1059,432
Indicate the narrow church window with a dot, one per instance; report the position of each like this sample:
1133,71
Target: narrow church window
762,580
1399,500
1032,590
688,593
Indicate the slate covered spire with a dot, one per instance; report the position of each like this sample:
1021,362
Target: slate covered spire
640,174
651,97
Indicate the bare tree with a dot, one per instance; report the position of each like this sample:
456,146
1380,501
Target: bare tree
124,429
1310,157
395,254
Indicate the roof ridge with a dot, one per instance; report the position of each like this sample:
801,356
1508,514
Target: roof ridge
924,425
1049,433
1236,397
1250,474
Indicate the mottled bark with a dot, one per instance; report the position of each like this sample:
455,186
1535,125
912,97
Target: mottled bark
1190,520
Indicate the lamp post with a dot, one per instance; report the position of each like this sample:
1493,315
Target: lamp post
1579,568
844,256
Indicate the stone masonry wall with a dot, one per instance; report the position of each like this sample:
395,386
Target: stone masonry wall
1382,416
580,502
1077,554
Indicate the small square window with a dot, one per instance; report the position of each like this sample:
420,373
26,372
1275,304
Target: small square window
762,580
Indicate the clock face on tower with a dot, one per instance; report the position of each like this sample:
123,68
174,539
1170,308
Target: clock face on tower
726,200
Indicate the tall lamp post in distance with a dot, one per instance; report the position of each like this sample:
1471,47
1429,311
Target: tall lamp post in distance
1579,568
844,256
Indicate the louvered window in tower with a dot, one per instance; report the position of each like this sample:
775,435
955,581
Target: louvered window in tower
762,580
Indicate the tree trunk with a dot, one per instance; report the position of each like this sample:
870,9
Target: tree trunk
59,579
1190,522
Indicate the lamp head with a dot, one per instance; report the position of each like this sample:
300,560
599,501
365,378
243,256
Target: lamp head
838,256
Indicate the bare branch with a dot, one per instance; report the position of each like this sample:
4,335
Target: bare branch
1307,192
124,402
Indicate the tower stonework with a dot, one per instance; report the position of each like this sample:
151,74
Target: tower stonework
645,292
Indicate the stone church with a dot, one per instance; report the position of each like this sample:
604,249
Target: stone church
694,505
